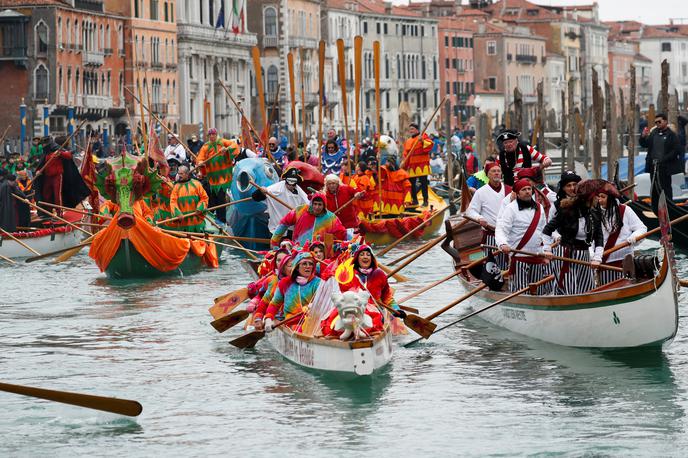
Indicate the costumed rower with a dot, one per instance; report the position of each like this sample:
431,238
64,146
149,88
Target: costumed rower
519,227
8,204
486,204
287,190
479,178
218,170
277,153
332,158
619,224
514,155
339,194
579,228
417,162
364,182
310,221
282,269
188,198
294,293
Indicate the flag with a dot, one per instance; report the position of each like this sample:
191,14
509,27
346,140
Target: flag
345,272
492,274
246,137
220,23
237,16
155,153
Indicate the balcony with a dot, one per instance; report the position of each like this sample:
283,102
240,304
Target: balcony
303,42
96,102
509,56
156,65
270,41
121,53
93,58
209,34
171,66
526,59
107,51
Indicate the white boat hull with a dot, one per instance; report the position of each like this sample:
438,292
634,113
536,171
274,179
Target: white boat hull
44,244
359,358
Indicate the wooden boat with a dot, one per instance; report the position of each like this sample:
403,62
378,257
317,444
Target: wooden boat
384,234
679,232
354,358
41,240
130,264
623,314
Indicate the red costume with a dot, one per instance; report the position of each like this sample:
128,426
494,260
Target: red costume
52,177
336,200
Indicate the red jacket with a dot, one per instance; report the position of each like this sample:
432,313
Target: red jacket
55,167
348,215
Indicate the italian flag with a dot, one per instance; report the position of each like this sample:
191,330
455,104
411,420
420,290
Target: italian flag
237,22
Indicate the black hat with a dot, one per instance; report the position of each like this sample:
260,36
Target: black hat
414,125
568,177
61,140
46,140
292,173
507,134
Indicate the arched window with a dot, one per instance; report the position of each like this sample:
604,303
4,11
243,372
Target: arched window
270,21
41,82
120,39
59,33
273,78
108,38
76,34
69,85
167,17
59,84
41,38
68,29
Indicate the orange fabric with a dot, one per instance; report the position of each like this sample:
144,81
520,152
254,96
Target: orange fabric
210,257
397,227
365,183
417,162
162,251
395,186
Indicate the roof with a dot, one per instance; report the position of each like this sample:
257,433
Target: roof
642,58
20,3
380,7
521,11
665,31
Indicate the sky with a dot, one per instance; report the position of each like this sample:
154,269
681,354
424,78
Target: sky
649,12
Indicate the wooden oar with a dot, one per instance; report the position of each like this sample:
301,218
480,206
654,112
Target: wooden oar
410,253
51,215
6,259
395,275
420,136
269,194
429,287
547,279
242,239
81,212
346,204
230,320
643,236
562,258
418,254
63,250
250,339
113,405
19,242
236,244
216,207
414,230
489,227
228,302
418,324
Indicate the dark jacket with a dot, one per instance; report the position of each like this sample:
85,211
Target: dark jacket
566,222
671,161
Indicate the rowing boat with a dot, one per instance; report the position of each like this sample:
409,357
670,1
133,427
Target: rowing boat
41,240
679,232
356,358
627,313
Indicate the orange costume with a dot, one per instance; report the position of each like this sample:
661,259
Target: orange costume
365,183
219,168
188,198
417,162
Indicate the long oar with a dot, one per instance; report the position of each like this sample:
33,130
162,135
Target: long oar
81,212
6,259
250,339
51,215
643,236
216,207
292,95
562,258
230,320
420,136
346,204
429,287
418,324
63,250
414,230
114,405
395,275
228,302
427,248
341,61
321,89
269,194
358,77
547,279
19,242
236,244
409,253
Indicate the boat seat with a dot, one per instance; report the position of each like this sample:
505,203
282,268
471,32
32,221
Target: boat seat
613,284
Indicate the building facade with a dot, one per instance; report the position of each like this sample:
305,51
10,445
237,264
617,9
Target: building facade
668,42
68,65
214,46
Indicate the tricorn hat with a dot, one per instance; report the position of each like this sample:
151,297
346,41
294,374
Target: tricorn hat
508,134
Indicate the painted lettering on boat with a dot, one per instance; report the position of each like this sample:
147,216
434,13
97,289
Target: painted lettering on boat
301,352
514,314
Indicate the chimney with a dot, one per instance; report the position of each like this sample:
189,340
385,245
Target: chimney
458,9
388,7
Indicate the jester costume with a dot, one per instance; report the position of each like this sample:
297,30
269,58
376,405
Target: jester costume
363,182
218,170
293,293
417,163
189,198
395,186
308,225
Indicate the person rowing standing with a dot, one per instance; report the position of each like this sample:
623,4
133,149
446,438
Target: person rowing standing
514,155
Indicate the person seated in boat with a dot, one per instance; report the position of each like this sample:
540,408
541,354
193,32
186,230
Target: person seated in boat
318,250
580,228
479,178
268,286
338,201
486,204
363,274
24,210
519,227
288,190
345,175
619,224
332,158
295,292
8,204
364,183
188,198
310,221
542,194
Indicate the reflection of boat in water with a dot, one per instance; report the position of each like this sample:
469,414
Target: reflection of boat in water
623,314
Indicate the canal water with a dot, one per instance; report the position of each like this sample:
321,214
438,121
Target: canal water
472,390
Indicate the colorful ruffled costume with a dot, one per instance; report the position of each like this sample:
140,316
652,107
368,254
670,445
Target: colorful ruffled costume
307,225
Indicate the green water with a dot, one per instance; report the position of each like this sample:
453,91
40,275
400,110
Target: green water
473,390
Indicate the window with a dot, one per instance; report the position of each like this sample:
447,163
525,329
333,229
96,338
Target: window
446,41
377,28
211,12
455,86
41,82
666,47
59,33
422,33
385,28
272,80
387,100
270,20
171,13
167,18
154,10
491,48
446,63
41,33
448,90
365,27
191,67
422,68
491,83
